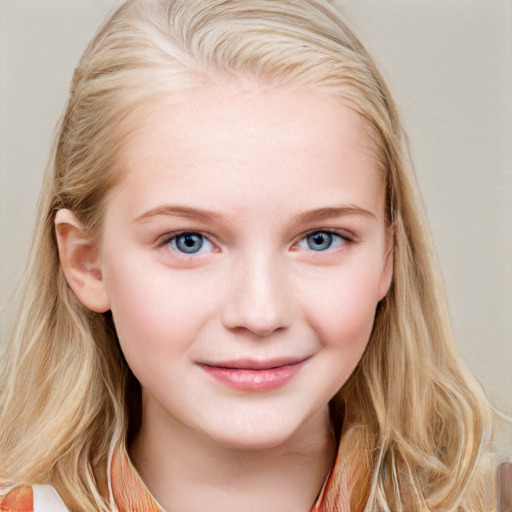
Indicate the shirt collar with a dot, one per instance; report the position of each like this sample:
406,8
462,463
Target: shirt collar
130,493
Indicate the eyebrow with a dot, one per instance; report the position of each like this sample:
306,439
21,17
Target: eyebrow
320,214
309,216
182,212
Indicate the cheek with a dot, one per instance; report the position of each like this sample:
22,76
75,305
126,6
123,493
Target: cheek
343,312
154,313
343,324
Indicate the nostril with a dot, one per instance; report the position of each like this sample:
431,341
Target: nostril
257,300
260,325
261,319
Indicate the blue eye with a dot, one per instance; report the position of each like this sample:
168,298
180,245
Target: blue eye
190,243
321,241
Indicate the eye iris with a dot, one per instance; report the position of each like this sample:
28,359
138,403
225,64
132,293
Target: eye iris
319,241
189,243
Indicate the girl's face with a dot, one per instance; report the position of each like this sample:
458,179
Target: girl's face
243,255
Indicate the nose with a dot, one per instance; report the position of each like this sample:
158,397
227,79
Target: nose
259,301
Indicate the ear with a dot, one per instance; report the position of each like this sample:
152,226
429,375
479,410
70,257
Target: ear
387,269
80,261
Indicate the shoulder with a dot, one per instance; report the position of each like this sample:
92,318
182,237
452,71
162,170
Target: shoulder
32,498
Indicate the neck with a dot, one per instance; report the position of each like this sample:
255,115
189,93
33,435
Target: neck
185,470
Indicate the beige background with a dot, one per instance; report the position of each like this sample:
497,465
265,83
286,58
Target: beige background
450,65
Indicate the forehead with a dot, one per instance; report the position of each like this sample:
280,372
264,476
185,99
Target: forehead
234,138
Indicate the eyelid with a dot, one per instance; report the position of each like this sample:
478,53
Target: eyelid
346,235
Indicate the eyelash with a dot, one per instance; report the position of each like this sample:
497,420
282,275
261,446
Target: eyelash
342,236
172,241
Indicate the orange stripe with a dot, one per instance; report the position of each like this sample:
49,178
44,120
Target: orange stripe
19,499
130,494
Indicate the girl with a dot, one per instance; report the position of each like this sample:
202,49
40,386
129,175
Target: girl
232,301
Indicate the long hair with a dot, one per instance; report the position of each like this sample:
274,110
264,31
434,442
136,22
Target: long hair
413,422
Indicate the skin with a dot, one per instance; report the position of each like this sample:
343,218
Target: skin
265,179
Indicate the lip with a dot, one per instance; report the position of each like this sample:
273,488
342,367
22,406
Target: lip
254,375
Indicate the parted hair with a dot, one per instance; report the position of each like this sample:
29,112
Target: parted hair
413,423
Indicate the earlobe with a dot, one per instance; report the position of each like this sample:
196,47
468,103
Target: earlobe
80,261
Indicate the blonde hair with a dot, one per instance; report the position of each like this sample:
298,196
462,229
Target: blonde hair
414,421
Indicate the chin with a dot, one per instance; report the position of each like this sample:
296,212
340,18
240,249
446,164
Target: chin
262,434
251,443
